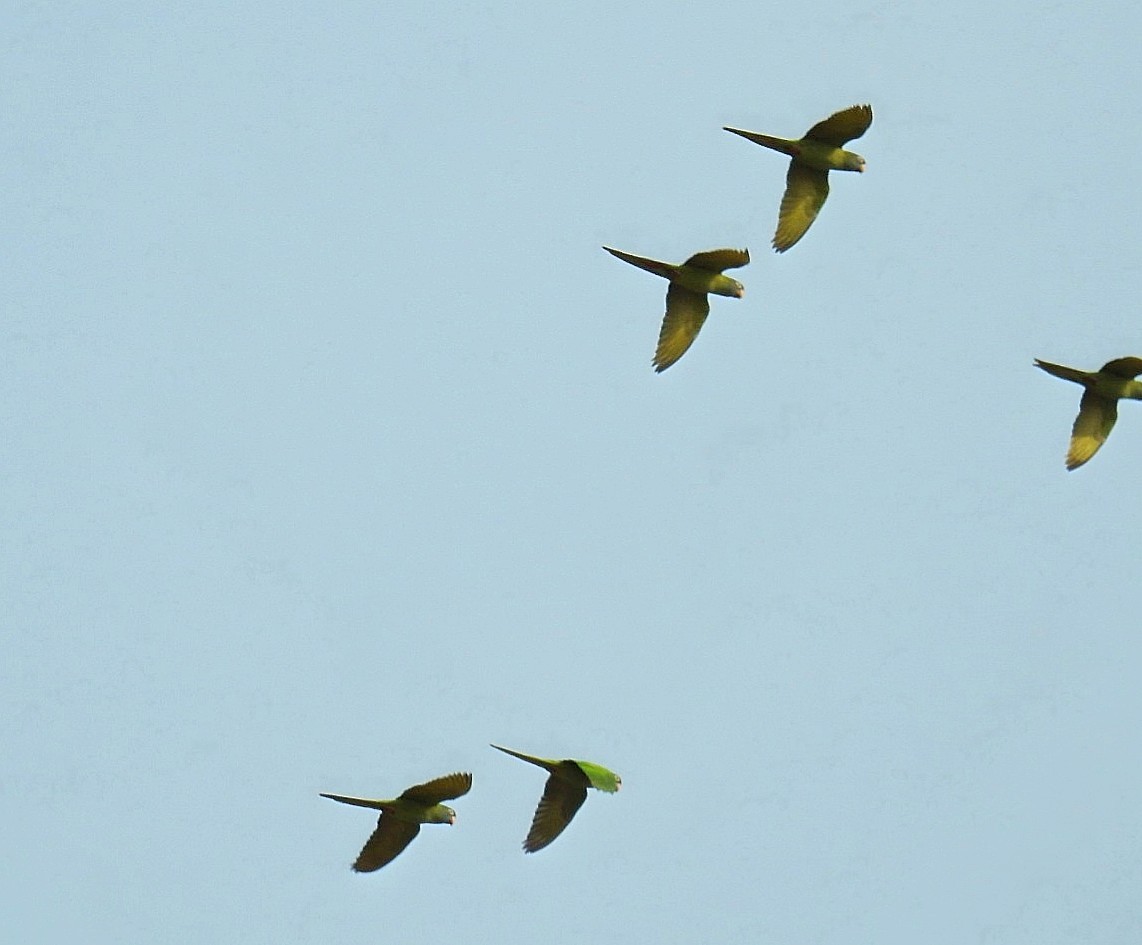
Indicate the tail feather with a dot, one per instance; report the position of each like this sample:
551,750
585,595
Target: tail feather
784,145
358,801
1066,373
530,759
666,270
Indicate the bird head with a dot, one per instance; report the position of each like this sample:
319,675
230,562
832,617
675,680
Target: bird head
854,162
441,814
724,285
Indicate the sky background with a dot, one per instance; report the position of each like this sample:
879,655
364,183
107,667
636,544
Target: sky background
334,453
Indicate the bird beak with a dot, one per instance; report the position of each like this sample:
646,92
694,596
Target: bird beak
452,819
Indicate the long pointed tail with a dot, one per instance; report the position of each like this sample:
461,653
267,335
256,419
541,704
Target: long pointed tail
784,145
666,270
1066,373
358,801
530,759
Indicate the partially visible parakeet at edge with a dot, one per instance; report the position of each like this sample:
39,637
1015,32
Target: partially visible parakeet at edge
687,302
813,156
1098,409
563,795
402,816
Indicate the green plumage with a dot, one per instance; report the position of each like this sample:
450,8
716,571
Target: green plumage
813,156
1098,408
402,816
563,794
687,301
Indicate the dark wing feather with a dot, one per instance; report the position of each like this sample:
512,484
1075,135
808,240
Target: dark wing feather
1096,419
386,844
718,260
686,313
561,799
842,126
806,189
441,789
1123,367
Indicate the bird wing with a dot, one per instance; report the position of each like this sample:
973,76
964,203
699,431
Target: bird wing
718,260
386,844
842,126
686,312
439,789
805,191
1123,367
560,802
1092,426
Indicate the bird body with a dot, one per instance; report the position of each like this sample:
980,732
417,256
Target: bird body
687,304
402,816
813,156
563,794
402,809
1098,408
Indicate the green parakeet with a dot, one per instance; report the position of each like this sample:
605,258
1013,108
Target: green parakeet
402,816
563,795
687,304
807,183
1098,408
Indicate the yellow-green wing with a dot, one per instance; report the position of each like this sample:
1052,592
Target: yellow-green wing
842,126
718,260
805,191
560,802
1096,419
386,844
686,312
440,789
1123,367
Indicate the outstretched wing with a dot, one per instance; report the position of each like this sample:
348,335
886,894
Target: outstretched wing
440,789
1096,419
386,844
686,313
1123,367
718,260
805,191
842,126
560,802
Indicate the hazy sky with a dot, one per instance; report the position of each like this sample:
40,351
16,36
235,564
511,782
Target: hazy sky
334,453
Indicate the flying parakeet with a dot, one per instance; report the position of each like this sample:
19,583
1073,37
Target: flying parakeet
1098,408
687,304
563,795
807,183
401,817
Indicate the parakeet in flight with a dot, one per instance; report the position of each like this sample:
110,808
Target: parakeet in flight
401,817
807,183
1098,408
563,795
687,304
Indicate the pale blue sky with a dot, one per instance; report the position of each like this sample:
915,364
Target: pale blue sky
334,453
